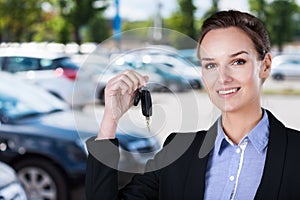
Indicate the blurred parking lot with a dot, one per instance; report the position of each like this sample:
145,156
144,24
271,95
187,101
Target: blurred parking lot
42,134
56,58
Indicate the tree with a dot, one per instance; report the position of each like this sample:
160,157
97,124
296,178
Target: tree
78,13
281,22
213,9
280,18
258,8
18,19
182,20
97,30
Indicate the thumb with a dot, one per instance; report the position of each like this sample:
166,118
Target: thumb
146,79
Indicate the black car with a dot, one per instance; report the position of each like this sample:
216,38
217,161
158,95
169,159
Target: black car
40,139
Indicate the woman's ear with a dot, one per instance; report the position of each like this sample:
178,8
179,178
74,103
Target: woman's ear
266,66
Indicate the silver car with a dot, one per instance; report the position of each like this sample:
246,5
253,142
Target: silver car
286,67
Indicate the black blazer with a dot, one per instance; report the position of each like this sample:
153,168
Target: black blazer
185,177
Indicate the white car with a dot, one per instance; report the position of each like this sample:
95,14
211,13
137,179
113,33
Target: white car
286,67
54,72
10,186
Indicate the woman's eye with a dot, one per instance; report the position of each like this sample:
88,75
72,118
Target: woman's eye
239,62
210,66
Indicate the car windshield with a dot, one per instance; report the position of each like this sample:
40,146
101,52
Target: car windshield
156,68
19,100
65,62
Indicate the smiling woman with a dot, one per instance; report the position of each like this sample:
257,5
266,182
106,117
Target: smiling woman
233,75
246,154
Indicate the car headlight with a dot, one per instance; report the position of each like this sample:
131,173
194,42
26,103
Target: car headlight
13,191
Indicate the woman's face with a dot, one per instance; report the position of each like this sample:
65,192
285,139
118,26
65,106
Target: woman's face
230,69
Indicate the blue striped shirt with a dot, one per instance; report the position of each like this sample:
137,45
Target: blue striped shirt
235,171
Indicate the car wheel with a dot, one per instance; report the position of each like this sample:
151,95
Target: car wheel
278,77
196,85
42,180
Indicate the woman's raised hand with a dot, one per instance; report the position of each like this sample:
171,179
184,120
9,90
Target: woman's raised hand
119,96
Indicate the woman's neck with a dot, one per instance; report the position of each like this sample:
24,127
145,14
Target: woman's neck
237,125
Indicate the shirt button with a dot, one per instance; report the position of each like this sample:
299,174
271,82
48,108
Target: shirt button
238,150
231,178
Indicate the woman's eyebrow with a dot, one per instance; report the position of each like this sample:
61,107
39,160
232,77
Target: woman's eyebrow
231,56
238,53
206,59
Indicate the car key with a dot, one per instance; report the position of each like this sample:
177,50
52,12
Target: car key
144,95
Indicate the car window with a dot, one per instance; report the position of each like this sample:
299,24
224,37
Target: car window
149,69
295,62
65,62
10,107
47,64
19,105
18,99
291,62
17,64
1,62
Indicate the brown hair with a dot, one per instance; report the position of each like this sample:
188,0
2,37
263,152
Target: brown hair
251,25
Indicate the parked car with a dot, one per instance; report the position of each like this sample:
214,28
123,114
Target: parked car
10,186
43,140
161,77
55,72
285,67
190,55
171,80
175,61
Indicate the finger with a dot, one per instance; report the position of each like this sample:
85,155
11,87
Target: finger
133,80
138,78
123,82
146,78
128,81
114,87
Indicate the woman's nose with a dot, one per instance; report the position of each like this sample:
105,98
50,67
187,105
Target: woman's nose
225,75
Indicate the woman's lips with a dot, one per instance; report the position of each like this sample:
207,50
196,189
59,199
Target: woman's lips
228,91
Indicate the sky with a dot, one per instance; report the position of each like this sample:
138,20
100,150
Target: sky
144,9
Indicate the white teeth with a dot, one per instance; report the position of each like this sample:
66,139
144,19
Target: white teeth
227,91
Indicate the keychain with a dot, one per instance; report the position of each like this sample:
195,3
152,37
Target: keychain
144,95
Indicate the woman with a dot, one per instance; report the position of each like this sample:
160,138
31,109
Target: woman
246,154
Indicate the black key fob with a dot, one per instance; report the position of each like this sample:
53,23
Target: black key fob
146,103
144,95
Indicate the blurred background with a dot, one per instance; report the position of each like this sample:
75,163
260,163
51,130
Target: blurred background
56,57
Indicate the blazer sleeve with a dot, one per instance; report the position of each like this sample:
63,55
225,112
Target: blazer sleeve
102,177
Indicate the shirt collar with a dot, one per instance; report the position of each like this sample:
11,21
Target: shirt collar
258,136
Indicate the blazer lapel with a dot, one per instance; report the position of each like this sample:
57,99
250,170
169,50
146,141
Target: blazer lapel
271,179
195,182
